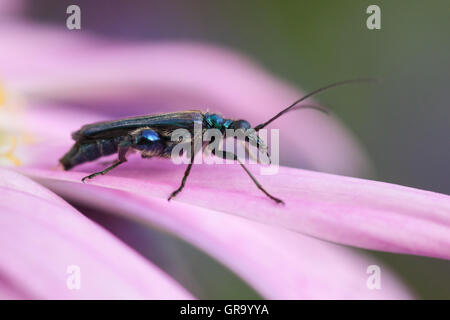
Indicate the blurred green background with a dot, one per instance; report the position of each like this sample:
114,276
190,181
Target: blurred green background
403,122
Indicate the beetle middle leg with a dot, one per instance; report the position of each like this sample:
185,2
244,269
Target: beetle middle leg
186,174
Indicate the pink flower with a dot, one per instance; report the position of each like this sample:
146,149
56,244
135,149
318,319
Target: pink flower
220,212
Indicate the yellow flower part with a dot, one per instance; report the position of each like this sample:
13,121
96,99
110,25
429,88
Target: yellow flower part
9,153
11,131
2,95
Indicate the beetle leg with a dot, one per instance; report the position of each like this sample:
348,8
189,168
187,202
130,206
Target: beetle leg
115,164
186,174
123,148
230,155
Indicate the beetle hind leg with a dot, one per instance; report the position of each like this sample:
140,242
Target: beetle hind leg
122,158
115,164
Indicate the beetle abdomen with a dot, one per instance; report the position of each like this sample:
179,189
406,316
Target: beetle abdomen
89,151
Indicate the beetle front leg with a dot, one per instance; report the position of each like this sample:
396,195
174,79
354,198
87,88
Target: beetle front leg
230,155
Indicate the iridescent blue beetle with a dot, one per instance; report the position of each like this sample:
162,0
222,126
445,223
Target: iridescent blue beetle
151,136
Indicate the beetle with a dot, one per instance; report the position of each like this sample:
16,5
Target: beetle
151,136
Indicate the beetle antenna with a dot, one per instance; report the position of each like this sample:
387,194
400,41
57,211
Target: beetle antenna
336,84
310,106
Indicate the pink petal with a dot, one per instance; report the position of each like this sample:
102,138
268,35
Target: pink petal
41,236
361,213
279,264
